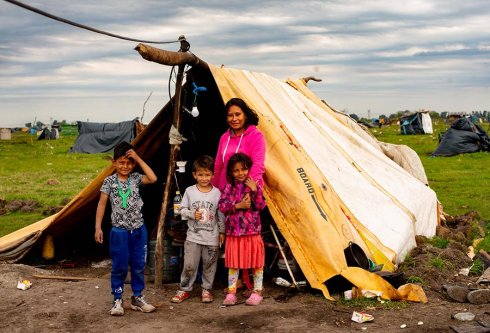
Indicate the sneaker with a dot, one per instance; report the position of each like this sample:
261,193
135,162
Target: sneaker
180,296
230,299
254,299
207,296
139,303
117,308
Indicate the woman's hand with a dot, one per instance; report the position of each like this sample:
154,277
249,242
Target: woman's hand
251,184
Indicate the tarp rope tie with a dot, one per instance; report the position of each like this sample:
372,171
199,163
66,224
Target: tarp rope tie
175,138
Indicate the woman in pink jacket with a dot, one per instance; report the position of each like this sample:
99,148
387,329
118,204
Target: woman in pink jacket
242,137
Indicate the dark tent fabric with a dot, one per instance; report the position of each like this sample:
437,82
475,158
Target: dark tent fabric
413,123
463,137
47,134
103,137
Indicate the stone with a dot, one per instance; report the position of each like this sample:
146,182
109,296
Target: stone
457,293
480,296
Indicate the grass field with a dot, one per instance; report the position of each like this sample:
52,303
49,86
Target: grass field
461,182
27,166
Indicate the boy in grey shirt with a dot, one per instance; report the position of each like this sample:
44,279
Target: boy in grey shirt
206,232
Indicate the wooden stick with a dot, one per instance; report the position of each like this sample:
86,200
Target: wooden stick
484,254
169,58
174,149
284,256
60,277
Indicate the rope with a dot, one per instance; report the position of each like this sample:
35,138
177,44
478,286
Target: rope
60,19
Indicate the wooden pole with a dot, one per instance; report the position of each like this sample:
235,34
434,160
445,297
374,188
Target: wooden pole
284,256
174,149
60,277
169,58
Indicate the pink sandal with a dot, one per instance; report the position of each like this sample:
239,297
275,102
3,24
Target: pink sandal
230,299
254,299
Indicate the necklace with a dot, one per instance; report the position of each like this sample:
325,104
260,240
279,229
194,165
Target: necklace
124,196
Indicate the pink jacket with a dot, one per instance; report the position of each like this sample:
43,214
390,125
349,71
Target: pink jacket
241,222
251,142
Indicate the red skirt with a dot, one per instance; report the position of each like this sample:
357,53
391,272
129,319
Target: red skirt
244,252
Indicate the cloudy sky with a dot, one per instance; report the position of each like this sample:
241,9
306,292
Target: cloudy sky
381,56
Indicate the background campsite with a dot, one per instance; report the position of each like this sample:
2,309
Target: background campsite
44,172
38,177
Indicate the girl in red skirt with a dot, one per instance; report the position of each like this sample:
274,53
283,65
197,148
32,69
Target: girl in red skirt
241,201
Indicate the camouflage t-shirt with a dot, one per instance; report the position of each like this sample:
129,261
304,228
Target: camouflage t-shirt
130,217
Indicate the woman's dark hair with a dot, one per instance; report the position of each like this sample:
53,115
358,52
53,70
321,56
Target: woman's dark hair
251,116
234,159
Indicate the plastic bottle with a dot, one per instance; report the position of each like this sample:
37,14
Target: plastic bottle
177,202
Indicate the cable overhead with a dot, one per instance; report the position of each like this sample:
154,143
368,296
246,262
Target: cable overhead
60,19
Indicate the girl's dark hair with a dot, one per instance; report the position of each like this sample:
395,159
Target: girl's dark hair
251,117
234,159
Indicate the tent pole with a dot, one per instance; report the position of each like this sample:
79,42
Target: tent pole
284,256
174,149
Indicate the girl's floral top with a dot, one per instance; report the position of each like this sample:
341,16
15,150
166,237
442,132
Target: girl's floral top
241,222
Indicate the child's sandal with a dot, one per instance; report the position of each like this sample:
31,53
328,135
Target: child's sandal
254,299
230,299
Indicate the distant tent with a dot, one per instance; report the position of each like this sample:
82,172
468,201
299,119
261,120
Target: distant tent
103,137
463,137
49,134
418,122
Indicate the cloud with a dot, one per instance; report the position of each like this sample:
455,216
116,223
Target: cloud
371,55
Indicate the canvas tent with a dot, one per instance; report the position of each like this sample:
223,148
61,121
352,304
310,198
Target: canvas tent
418,122
103,137
327,182
463,137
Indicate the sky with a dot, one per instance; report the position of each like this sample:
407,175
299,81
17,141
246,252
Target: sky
374,57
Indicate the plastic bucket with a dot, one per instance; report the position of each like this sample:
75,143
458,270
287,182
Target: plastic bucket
355,256
171,261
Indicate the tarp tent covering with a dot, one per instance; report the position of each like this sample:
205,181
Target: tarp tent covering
463,137
327,182
49,134
418,122
102,137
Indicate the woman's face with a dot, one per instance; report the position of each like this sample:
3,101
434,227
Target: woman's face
236,118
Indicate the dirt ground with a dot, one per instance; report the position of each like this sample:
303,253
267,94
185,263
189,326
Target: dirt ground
68,306
53,305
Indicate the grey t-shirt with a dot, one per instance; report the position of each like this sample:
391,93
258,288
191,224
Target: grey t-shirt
129,218
206,231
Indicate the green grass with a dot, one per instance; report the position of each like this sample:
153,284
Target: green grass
439,242
437,262
477,268
26,166
461,182
416,279
372,303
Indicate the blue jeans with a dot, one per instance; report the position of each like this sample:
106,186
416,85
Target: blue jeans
128,248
